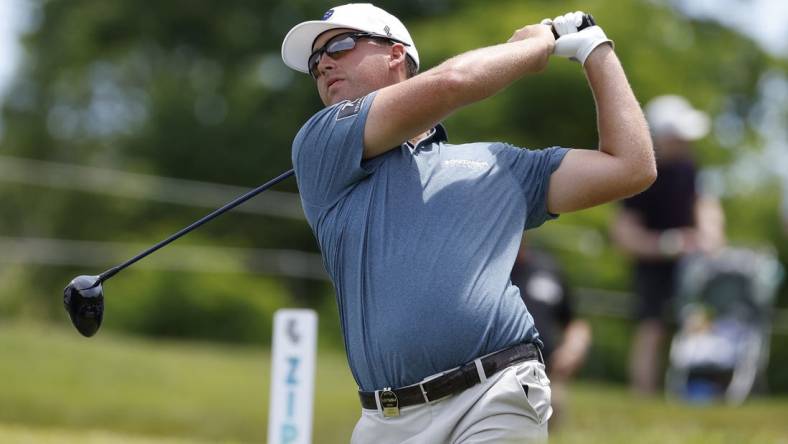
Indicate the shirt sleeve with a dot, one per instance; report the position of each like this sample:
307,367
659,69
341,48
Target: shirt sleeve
327,151
532,170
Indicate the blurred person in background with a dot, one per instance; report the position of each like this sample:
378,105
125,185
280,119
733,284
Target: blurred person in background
546,293
663,224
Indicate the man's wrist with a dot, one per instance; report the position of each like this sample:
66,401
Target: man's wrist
598,56
540,49
603,47
549,45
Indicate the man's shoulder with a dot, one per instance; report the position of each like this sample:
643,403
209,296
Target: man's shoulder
321,115
334,115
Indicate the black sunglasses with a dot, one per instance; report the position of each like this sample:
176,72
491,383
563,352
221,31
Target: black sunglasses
340,44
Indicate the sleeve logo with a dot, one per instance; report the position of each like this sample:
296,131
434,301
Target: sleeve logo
350,108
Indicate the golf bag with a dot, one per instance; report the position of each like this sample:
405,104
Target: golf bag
724,304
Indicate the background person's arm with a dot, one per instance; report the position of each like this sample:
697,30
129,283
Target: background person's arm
710,223
570,355
631,235
707,235
406,109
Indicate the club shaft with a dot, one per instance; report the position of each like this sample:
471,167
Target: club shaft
229,206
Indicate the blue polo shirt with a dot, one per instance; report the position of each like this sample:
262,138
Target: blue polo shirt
419,242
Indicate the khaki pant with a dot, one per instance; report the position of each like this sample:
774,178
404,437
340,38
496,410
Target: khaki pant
499,410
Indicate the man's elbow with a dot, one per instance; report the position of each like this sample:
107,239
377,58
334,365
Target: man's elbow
461,84
453,81
635,178
649,175
639,181
645,168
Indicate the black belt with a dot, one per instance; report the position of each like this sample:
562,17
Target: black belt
449,383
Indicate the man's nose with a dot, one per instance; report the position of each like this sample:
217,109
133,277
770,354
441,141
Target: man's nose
325,62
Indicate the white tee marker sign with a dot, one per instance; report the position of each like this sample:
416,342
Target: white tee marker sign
292,377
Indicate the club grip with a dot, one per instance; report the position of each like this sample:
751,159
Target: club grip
588,20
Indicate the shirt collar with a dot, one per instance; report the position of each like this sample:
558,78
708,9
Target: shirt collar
437,135
440,134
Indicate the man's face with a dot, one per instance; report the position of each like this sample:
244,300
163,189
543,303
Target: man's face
353,73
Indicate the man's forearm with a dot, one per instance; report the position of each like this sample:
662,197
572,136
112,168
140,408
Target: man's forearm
405,109
483,72
623,132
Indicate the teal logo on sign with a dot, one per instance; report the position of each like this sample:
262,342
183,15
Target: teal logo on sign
289,429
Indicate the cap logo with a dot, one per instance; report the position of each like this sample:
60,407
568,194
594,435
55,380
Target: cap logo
328,14
387,30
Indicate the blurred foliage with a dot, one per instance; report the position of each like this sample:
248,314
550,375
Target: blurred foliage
197,90
196,306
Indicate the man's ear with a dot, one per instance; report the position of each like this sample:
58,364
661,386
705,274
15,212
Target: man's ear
397,55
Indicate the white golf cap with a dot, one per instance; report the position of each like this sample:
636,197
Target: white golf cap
672,115
297,45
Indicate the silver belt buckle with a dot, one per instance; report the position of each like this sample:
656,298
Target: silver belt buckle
389,403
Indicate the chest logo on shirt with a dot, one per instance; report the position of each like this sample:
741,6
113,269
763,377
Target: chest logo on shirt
350,108
474,165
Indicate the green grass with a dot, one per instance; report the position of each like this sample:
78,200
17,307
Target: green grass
23,434
51,377
57,387
605,414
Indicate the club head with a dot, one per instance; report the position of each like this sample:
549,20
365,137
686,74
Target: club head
83,298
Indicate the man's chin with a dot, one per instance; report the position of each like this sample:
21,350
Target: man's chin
338,97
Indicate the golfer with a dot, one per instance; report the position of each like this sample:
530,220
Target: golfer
419,235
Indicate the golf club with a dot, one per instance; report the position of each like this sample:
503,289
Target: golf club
83,297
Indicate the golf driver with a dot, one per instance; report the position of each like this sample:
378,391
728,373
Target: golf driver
83,297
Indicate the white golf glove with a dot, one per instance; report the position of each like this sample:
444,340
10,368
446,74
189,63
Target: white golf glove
574,44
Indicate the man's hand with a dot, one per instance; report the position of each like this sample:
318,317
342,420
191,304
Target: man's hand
574,44
539,31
